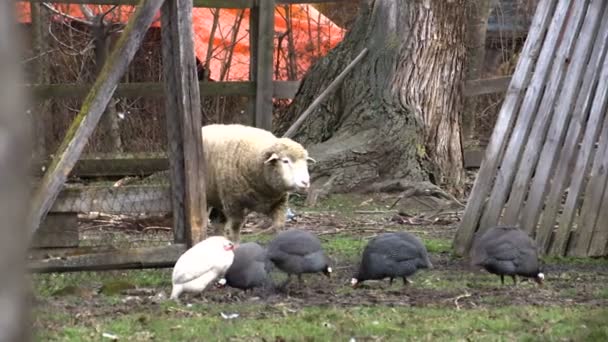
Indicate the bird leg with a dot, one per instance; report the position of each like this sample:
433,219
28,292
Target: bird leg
502,279
390,281
406,281
514,280
284,285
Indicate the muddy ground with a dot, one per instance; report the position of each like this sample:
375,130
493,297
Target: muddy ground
343,228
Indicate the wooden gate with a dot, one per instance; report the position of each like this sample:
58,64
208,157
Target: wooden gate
545,168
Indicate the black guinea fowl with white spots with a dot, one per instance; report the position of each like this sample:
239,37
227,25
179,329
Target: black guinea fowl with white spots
297,251
250,268
507,250
392,255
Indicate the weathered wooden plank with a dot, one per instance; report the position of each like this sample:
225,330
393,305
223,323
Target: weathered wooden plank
92,109
184,101
254,32
124,199
567,156
133,258
540,154
599,240
597,122
265,47
196,3
328,91
545,70
113,164
593,192
281,89
57,230
486,86
15,155
504,123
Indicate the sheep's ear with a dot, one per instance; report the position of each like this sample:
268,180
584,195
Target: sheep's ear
310,160
272,158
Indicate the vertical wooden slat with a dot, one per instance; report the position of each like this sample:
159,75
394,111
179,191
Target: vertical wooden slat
183,102
550,66
263,103
40,45
93,107
562,87
565,165
505,121
595,187
597,122
600,232
254,31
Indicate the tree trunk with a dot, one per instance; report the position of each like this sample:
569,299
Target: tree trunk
396,116
108,125
477,12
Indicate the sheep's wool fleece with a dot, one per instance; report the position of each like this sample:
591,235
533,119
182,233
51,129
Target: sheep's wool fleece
234,156
200,265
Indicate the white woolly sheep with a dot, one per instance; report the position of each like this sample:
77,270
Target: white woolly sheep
250,169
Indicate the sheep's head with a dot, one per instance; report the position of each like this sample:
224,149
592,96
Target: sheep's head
286,166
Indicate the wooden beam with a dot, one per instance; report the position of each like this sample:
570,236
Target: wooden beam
114,200
183,106
264,88
254,32
133,258
486,86
92,109
121,165
281,89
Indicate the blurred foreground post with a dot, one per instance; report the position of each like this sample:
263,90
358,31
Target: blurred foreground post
14,191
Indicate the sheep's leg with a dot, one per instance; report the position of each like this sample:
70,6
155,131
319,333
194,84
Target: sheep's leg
278,215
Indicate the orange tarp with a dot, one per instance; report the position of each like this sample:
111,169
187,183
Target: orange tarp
314,35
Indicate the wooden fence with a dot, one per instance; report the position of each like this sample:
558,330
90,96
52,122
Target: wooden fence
185,197
545,166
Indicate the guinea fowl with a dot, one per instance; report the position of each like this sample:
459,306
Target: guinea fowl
392,255
201,264
249,268
297,251
507,250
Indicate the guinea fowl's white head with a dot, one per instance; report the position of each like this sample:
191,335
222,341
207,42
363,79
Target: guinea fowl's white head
540,277
225,244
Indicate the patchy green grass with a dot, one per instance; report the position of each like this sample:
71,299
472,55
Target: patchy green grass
260,322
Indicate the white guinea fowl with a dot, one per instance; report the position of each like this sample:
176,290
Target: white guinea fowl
201,264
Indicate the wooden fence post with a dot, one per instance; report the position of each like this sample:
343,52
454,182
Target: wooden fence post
265,48
184,122
92,108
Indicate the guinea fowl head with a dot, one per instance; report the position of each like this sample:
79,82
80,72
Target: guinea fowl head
327,271
540,277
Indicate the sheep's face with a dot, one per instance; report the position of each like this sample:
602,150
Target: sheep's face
287,173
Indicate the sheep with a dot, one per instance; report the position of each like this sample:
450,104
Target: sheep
250,169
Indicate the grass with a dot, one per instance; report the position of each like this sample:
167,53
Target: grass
259,322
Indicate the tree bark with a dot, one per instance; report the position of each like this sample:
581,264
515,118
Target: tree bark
110,129
396,116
